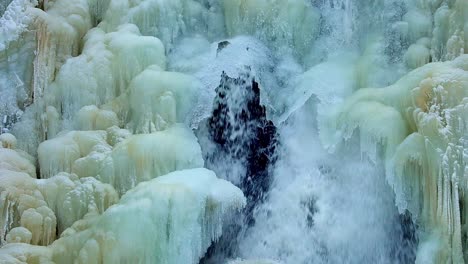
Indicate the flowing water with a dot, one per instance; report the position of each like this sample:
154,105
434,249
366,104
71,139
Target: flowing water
322,207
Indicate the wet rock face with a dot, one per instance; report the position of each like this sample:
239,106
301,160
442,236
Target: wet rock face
242,134
243,151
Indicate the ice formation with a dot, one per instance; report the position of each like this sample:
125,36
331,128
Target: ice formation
17,160
144,157
83,150
159,99
178,216
45,207
422,127
290,23
134,159
35,210
98,99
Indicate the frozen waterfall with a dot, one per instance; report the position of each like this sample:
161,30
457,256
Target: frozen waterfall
233,131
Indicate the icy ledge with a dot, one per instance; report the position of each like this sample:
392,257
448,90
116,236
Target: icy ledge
171,219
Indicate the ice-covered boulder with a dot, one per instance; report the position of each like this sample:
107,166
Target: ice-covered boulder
46,207
17,160
144,157
7,140
132,159
159,99
107,64
92,118
58,154
207,62
170,219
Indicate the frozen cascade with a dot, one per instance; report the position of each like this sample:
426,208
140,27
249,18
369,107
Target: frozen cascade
233,131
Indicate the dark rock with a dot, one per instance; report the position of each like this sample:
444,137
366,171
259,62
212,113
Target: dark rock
244,143
241,132
222,45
